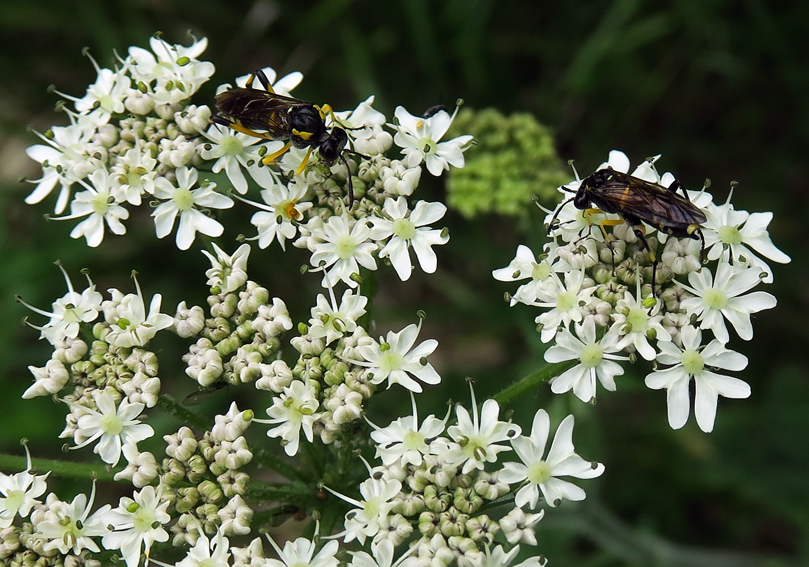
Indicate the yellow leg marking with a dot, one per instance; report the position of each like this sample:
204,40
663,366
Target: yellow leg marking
239,128
275,155
304,162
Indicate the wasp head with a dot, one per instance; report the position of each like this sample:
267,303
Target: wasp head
332,147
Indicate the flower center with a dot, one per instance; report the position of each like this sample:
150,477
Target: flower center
183,199
715,299
111,424
730,235
345,246
591,355
390,361
693,363
637,319
413,440
372,507
566,300
404,229
288,210
539,472
101,203
134,178
231,145
541,271
14,500
143,520
427,146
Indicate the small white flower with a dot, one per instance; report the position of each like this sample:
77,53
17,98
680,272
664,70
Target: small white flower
48,380
138,523
634,323
227,273
419,139
342,249
524,266
280,215
65,159
98,204
333,321
364,520
477,438
596,360
302,552
519,527
405,440
70,528
129,323
692,361
565,302
733,233
183,201
382,555
395,359
726,297
236,153
136,172
111,426
364,126
19,492
207,552
69,311
407,229
173,71
293,410
542,473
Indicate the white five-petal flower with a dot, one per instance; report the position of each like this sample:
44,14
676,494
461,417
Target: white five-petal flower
395,359
406,229
183,201
693,361
542,473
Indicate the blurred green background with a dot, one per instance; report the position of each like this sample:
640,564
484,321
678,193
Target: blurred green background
717,87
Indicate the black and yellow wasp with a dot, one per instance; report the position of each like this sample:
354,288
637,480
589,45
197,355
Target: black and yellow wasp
638,201
265,114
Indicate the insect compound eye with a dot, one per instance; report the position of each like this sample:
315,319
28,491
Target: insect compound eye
332,146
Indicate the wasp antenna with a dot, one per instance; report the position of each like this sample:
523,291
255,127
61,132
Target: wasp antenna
556,214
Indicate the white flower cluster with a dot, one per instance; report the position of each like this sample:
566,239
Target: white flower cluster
599,308
433,487
114,378
134,137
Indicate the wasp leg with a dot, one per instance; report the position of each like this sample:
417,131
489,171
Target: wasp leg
304,162
267,160
677,185
350,183
640,233
262,78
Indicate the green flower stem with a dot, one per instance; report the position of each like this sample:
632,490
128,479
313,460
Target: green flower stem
271,461
523,385
368,289
274,516
169,404
62,469
293,492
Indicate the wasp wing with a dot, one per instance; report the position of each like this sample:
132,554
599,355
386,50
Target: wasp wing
259,110
634,198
